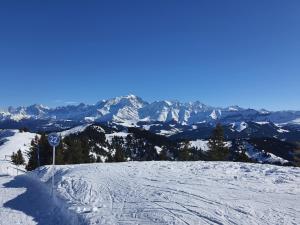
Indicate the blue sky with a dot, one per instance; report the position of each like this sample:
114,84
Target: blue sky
222,53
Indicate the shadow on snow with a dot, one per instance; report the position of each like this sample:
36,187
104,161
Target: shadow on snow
35,202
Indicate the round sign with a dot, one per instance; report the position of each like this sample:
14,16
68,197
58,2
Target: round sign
53,139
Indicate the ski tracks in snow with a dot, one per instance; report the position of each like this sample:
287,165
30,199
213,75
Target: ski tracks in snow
174,193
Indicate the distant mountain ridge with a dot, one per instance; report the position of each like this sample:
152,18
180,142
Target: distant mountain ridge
130,109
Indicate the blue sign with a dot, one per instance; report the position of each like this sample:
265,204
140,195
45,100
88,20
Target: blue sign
53,139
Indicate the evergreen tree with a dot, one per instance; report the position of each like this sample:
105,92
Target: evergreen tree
239,152
117,145
41,153
46,151
76,150
163,155
17,158
185,153
197,154
218,150
59,153
32,155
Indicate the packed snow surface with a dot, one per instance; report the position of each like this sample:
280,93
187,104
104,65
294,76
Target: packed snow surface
25,201
178,192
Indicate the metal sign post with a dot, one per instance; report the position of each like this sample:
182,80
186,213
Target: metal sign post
54,141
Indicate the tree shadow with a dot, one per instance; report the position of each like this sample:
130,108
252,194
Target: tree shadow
35,202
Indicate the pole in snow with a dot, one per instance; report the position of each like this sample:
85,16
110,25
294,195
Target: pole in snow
38,155
53,140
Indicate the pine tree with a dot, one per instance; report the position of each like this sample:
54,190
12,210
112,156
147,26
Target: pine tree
185,152
117,145
197,154
218,150
239,150
17,158
46,151
42,146
32,155
163,155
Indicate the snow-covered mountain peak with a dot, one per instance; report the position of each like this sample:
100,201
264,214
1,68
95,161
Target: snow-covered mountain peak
132,109
234,108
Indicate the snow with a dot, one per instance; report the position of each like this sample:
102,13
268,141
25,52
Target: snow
280,130
194,127
158,149
25,201
203,144
168,103
259,156
262,122
132,109
200,144
147,127
109,137
178,193
169,132
89,119
213,115
13,140
296,121
232,109
74,130
239,126
22,199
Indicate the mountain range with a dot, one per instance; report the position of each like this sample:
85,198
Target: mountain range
129,110
174,122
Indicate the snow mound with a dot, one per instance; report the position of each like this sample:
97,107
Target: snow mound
178,192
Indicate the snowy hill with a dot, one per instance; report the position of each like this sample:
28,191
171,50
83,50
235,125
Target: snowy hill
11,141
178,193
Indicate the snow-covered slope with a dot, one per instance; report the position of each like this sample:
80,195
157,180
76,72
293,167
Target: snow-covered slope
178,193
262,156
73,130
13,140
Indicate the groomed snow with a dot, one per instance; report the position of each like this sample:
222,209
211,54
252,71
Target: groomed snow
179,193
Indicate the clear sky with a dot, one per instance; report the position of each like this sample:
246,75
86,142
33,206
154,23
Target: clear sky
220,52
